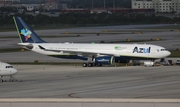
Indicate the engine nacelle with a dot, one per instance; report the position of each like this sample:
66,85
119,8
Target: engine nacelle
104,60
121,60
124,61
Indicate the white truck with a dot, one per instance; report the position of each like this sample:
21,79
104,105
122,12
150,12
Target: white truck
148,64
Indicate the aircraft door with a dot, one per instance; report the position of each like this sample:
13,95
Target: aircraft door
152,51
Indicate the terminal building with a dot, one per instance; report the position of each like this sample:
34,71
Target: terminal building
10,0
160,6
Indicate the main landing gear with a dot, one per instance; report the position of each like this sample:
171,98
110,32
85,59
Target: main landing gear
90,64
87,64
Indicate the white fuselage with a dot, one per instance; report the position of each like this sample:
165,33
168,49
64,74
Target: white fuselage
7,69
118,50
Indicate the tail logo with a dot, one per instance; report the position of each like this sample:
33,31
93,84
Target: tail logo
27,34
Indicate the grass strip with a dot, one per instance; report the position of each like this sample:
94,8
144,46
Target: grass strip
175,53
12,50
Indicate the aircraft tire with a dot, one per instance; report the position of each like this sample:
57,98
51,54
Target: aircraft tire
1,80
84,64
90,64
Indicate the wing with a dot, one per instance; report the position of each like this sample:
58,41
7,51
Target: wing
78,52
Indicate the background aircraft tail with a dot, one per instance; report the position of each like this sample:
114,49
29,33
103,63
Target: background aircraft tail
26,34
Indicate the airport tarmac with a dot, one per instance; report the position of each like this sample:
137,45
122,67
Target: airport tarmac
57,81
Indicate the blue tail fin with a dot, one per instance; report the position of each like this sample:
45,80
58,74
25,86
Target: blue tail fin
26,34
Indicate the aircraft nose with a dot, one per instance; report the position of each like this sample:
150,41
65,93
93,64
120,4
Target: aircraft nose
168,53
14,71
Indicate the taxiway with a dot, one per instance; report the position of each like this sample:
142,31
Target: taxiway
55,81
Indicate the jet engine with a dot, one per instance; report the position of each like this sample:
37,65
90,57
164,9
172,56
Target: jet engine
104,60
121,60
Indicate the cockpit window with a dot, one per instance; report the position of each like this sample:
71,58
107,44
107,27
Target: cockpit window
9,66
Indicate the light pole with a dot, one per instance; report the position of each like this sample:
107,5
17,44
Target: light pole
104,4
92,4
113,5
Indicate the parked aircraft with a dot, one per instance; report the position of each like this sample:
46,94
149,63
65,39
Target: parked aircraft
7,70
94,54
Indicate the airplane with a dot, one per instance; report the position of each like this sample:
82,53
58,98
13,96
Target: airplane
94,54
7,70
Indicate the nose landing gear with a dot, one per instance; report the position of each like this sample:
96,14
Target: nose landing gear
11,79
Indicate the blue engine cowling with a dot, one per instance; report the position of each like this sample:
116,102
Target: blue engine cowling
105,60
